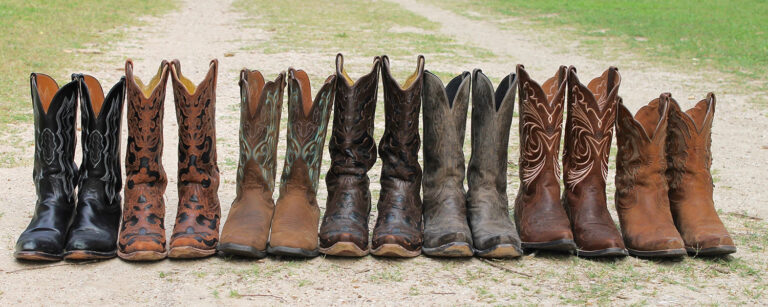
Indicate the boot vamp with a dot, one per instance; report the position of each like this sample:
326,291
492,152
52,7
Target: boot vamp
96,223
249,220
347,212
399,218
197,220
445,218
47,230
143,227
704,231
489,220
541,217
296,220
645,217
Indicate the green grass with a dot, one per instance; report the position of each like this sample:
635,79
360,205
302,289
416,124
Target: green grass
35,35
731,36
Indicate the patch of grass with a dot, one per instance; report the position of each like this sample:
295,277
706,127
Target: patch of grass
39,36
365,28
729,35
393,275
234,294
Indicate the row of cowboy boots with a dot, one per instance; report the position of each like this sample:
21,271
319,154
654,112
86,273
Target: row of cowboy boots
196,231
65,225
256,225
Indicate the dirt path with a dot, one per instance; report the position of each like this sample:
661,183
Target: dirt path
202,30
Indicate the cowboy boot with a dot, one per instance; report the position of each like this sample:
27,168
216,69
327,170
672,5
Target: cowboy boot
539,216
398,227
344,231
196,231
142,234
446,232
493,233
54,171
297,215
689,158
641,186
246,230
588,133
93,233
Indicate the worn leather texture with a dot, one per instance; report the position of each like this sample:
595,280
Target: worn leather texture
539,215
445,121
689,158
588,132
143,228
250,216
487,202
54,170
297,215
641,186
353,153
399,207
97,219
197,218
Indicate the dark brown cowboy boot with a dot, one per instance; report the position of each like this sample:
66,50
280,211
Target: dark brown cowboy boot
493,232
689,158
142,234
446,232
54,171
641,186
196,231
398,227
539,216
294,225
344,231
588,132
246,230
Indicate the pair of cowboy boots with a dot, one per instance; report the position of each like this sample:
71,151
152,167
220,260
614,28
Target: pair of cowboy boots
60,227
579,220
398,230
477,222
196,232
256,225
663,184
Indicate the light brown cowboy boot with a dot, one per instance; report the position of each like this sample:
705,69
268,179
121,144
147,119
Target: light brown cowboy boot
246,230
689,158
641,186
294,225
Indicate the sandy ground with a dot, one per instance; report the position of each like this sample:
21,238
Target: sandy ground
197,33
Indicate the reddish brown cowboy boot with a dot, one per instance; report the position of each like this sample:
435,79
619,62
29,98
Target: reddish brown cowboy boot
641,188
196,231
398,227
344,231
588,132
539,216
246,230
294,225
142,234
689,158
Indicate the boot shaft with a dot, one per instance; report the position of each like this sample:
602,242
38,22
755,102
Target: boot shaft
307,126
196,116
352,147
144,113
491,120
689,142
260,112
540,127
445,118
589,128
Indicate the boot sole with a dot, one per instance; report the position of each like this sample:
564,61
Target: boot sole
453,249
395,251
711,251
501,251
37,256
241,250
189,252
564,245
88,255
292,251
608,252
666,253
142,256
344,249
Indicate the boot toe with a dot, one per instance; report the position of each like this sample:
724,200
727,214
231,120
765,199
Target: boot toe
91,240
329,239
39,244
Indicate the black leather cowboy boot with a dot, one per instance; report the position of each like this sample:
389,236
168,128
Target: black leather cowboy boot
54,172
93,234
446,232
